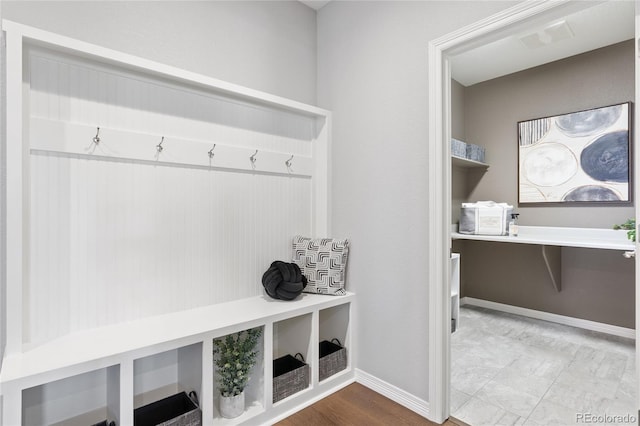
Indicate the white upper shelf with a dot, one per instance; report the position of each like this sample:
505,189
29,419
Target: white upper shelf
606,239
125,61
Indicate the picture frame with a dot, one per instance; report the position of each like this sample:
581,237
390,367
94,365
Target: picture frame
578,158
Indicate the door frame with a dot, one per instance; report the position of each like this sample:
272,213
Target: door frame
507,22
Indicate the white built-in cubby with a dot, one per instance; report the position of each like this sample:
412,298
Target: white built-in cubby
144,202
113,370
166,373
334,324
79,400
292,336
254,393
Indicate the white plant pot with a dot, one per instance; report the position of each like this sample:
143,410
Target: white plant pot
232,406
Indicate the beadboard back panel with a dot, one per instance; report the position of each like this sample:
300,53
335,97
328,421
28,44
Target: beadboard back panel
71,90
118,239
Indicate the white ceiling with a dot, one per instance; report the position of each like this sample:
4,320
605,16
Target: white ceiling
598,26
315,4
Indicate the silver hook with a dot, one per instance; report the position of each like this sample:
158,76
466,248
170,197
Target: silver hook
253,157
288,162
96,138
159,146
211,154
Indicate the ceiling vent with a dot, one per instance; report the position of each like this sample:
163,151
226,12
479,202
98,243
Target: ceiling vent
548,35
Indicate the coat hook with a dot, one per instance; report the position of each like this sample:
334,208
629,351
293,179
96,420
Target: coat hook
253,157
211,154
96,138
288,162
159,146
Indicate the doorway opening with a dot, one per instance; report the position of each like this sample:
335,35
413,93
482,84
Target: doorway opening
443,54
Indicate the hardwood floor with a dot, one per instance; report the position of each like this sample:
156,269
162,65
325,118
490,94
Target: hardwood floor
356,405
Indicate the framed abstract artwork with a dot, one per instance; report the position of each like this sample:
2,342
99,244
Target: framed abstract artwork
581,157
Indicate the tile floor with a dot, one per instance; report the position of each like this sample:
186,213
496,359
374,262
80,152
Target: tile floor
512,370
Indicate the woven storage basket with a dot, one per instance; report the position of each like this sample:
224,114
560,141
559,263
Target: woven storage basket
333,358
176,410
290,375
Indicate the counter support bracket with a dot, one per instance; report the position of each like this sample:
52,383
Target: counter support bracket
551,256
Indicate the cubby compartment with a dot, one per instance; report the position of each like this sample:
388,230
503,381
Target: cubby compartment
79,400
253,392
290,337
167,373
333,325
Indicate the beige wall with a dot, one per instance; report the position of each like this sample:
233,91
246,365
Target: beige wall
492,109
597,284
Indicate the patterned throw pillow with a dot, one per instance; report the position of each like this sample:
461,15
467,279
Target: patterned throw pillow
323,261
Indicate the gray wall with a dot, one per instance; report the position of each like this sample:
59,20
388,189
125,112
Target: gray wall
373,75
264,45
597,284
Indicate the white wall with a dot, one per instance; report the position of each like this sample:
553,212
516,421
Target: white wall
3,205
372,73
268,46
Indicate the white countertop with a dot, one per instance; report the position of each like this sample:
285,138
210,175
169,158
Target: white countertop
607,239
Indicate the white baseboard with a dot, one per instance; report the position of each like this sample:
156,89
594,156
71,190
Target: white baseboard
394,393
547,316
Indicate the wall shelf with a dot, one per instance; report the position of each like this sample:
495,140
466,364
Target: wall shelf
467,163
605,239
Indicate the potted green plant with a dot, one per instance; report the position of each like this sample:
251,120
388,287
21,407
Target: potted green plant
235,355
630,226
